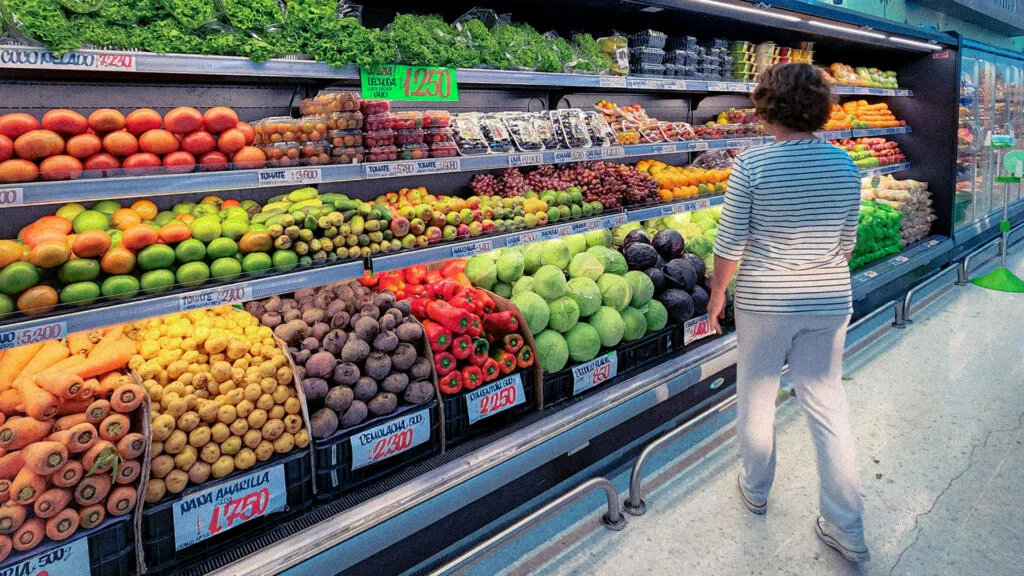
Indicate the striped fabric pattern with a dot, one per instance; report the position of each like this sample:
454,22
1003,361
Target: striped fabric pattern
790,214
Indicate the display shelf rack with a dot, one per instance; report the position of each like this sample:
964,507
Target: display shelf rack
889,169
866,91
33,193
884,271
862,133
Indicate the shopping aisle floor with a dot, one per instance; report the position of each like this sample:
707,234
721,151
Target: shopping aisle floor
937,411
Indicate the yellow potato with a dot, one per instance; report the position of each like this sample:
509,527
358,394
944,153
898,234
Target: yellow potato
190,401
186,458
265,402
200,436
268,370
161,465
208,410
156,391
268,384
264,451
176,407
162,426
210,453
219,432
252,438
231,446
284,375
239,427
253,392
292,423
223,466
155,490
156,449
220,371
280,394
272,430
234,396
244,408
284,444
302,438
176,481
257,418
227,414
175,442
188,421
292,405
245,459
276,413
199,472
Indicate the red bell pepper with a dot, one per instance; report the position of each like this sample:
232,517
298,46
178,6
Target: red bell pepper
480,349
368,279
445,289
484,303
472,377
415,290
524,359
416,274
433,277
490,370
444,363
462,280
512,342
419,307
462,347
506,361
463,300
501,322
453,267
455,319
476,328
450,383
438,336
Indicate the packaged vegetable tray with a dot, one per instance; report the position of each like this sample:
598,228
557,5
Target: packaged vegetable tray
571,125
494,131
648,38
468,138
520,126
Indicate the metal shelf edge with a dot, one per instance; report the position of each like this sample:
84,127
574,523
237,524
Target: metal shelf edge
890,169
882,272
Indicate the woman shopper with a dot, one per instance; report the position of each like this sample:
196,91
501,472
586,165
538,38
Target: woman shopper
790,216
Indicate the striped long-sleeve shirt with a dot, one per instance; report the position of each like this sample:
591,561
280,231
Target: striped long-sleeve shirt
790,214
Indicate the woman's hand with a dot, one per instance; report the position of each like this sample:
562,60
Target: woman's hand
716,310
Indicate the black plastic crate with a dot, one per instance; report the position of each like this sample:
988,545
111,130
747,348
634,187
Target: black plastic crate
158,534
110,548
335,475
457,427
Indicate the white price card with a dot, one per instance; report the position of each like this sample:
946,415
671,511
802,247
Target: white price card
20,57
671,209
393,437
718,86
612,81
698,146
665,149
517,160
614,221
222,296
896,261
933,242
702,204
495,397
696,328
436,166
68,559
549,234
21,337
11,197
520,239
290,177
375,170
467,250
579,228
870,274
563,156
205,514
598,371
594,154
613,152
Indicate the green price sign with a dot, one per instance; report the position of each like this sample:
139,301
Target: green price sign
399,82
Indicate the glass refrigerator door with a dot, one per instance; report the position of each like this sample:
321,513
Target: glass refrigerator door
1015,90
969,140
986,119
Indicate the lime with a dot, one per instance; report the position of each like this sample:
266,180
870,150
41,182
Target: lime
234,228
257,227
256,262
80,293
17,277
163,218
107,207
204,209
156,281
81,270
190,250
206,228
115,237
6,304
183,207
234,212
226,268
71,210
285,259
192,273
121,286
156,256
221,248
91,220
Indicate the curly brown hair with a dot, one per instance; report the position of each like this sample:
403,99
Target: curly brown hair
795,96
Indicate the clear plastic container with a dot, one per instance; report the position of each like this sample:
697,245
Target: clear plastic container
312,129
647,55
378,138
371,107
406,120
572,127
345,138
438,135
276,129
330,100
352,120
469,139
443,149
436,119
651,38
545,129
741,46
650,133
678,57
409,136
627,132
315,154
348,155
601,134
744,68
520,126
688,43
282,154
382,154
379,122
413,151
494,131
649,69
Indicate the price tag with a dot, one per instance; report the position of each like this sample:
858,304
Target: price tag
14,57
594,154
682,85
614,221
494,398
390,438
70,559
673,209
597,371
696,328
933,242
898,260
702,204
290,177
563,156
833,135
375,170
718,86
21,337
870,274
876,92
11,197
467,250
613,152
698,146
733,144
410,83
517,160
436,166
209,512
581,227
521,239
903,92
612,81
665,149
215,297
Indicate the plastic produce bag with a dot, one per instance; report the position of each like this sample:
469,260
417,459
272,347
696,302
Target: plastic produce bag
253,14
715,159
588,58
192,14
81,6
39,23
473,31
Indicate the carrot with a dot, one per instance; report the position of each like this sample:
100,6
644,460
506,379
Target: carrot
12,517
64,365
112,381
113,352
69,475
100,458
52,352
10,400
128,472
92,489
131,446
75,406
62,525
51,502
29,535
45,458
37,403
5,547
83,437
83,342
66,422
60,384
11,464
27,486
89,389
91,516
127,398
3,418
17,433
114,427
122,500
15,361
97,411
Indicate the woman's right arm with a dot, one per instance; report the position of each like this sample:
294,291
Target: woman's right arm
733,228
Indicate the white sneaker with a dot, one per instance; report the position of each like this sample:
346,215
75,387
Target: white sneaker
829,533
752,504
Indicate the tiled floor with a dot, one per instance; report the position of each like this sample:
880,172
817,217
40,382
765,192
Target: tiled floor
938,414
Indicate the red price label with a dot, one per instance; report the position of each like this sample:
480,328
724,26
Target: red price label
122,61
239,510
397,442
597,371
499,400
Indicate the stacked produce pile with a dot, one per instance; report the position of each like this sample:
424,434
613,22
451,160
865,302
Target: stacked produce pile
473,342
602,184
358,355
845,75
680,183
910,197
632,125
71,458
870,153
878,233
699,230
858,115
64,145
222,392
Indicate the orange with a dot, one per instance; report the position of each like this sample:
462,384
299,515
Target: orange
146,209
125,218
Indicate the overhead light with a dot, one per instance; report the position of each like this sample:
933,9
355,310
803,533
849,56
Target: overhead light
755,11
915,43
651,9
845,29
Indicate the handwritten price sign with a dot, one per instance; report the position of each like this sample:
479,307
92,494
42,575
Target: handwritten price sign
24,336
413,83
597,371
696,328
11,197
494,398
215,297
390,438
207,513
467,250
43,60
521,239
517,160
290,177
70,559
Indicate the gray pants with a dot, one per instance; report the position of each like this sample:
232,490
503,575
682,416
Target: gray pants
814,346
